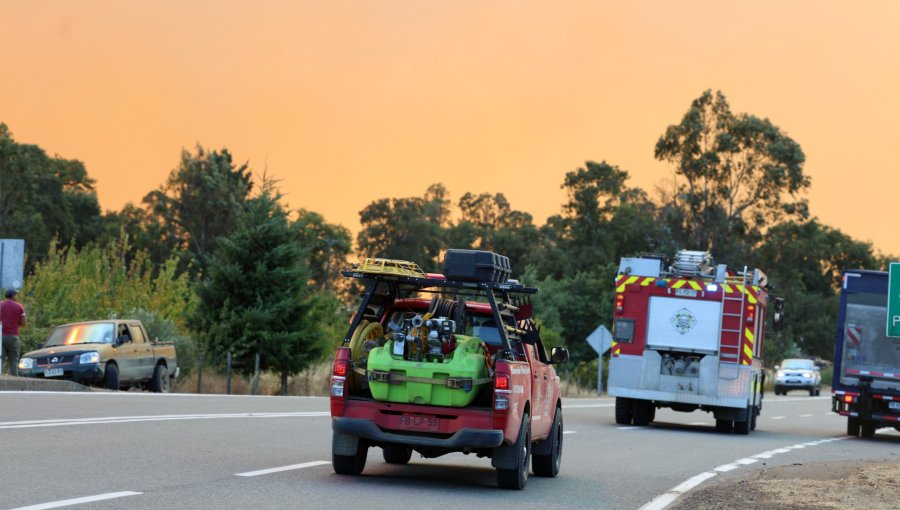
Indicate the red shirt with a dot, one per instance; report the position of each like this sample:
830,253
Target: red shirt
11,313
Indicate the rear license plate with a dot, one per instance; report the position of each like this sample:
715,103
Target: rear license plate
53,372
420,423
686,292
894,405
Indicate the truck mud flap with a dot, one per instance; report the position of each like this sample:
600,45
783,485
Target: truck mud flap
343,444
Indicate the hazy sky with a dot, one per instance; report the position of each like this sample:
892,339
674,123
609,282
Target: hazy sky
348,102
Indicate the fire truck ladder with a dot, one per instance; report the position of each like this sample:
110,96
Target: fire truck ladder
730,326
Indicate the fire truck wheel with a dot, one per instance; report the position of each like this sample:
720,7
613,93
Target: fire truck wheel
350,464
753,419
867,430
517,478
624,411
642,411
743,426
852,427
396,454
548,465
723,425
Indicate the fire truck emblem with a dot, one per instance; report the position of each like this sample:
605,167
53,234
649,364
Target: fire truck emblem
684,321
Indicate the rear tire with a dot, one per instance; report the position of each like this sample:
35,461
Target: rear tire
548,465
350,464
753,419
111,377
642,410
867,430
160,381
624,410
853,427
812,392
724,425
743,426
394,454
517,478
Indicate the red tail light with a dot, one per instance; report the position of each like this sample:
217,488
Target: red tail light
848,399
340,369
502,382
751,311
620,302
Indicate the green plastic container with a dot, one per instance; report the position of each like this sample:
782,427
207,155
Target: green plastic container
467,362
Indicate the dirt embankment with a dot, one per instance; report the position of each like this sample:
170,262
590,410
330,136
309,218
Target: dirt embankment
827,485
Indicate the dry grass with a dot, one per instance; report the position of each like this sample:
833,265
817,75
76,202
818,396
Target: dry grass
314,381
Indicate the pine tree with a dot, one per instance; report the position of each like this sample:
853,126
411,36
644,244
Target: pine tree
255,299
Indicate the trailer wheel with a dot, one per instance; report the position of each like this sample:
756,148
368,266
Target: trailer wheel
394,454
624,410
642,410
723,425
852,427
867,430
517,477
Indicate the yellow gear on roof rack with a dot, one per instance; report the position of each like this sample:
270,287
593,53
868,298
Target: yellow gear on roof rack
390,266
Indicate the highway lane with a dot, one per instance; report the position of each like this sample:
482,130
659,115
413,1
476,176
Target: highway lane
153,451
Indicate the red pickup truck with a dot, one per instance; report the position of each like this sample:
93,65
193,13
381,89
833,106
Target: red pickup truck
438,364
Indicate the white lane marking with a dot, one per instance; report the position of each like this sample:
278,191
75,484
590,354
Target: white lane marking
806,416
167,417
630,428
78,501
284,468
692,482
778,417
698,423
663,500
570,432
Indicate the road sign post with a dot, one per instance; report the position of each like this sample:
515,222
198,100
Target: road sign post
893,302
12,263
600,340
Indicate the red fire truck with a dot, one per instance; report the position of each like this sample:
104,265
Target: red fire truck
689,336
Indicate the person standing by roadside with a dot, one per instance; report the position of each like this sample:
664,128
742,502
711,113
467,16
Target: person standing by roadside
12,314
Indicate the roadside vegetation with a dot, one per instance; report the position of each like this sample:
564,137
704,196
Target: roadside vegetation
216,260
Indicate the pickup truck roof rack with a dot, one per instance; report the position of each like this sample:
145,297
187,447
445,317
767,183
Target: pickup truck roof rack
403,281
433,280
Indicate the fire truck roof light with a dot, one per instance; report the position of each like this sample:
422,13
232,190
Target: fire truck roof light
660,283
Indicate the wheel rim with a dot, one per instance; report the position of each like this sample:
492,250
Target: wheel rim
163,381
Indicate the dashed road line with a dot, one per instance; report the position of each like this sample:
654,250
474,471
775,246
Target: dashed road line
630,428
778,417
806,415
78,501
284,468
570,432
664,500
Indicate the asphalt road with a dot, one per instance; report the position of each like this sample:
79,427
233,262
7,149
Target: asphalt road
139,450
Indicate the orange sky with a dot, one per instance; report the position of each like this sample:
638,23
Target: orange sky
347,102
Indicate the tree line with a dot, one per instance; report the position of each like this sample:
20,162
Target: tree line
232,269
